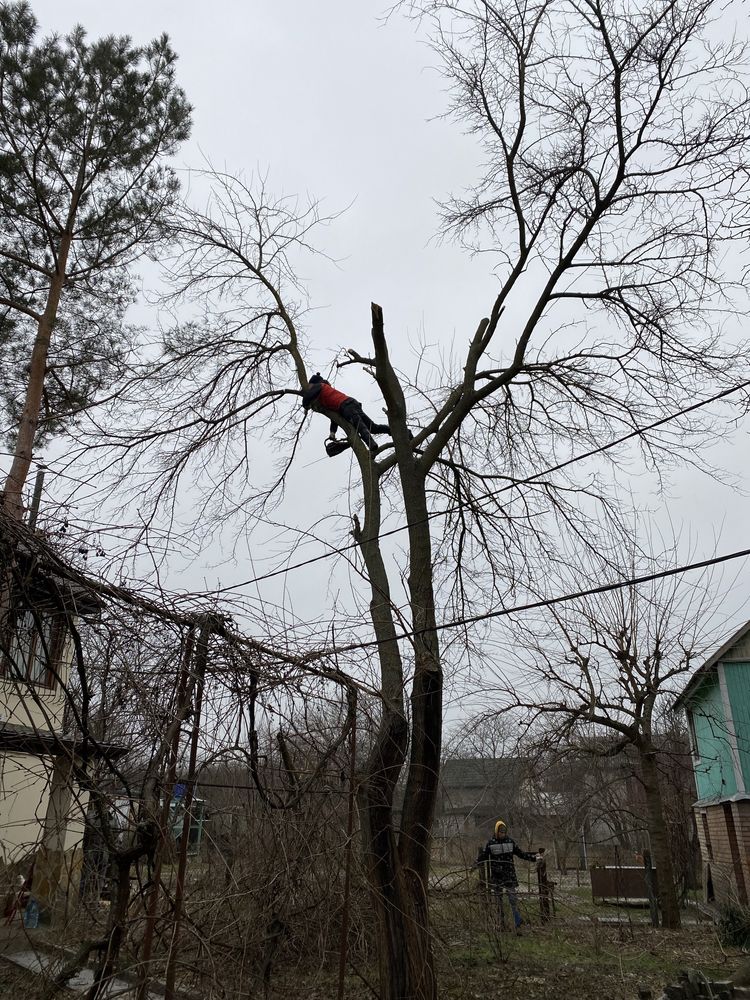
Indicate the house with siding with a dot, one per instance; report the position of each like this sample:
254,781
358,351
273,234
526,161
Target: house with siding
716,701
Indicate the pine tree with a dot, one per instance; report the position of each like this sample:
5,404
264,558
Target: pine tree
84,192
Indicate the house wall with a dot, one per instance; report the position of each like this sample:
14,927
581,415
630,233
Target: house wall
724,836
737,677
719,714
23,704
25,782
741,811
33,799
714,766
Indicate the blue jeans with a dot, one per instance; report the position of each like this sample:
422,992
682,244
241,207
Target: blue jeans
510,890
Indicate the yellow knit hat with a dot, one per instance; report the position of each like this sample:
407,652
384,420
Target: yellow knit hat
500,825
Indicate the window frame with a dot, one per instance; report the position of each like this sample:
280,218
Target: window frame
23,651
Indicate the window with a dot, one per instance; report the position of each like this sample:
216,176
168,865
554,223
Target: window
34,646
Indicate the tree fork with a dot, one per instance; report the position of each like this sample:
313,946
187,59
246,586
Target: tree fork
410,869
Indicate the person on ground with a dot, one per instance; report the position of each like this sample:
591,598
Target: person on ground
321,395
498,854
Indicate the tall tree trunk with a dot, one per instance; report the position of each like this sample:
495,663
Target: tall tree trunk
383,767
415,837
657,830
29,421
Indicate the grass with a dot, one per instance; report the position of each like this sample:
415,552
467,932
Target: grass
586,962
577,955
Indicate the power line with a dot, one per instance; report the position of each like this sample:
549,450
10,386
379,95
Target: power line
638,432
545,602
306,660
601,449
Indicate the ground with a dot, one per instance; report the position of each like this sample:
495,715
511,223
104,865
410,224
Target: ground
581,962
588,952
578,962
17,984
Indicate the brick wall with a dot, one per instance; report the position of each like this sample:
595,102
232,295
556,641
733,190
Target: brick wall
741,813
716,850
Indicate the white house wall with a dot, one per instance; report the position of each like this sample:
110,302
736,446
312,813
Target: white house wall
25,781
25,778
39,708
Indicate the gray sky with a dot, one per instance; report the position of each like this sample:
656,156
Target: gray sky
328,100
331,101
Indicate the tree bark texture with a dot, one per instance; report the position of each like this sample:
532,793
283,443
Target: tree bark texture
384,766
399,863
29,421
657,830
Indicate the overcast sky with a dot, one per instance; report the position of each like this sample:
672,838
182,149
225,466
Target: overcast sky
331,100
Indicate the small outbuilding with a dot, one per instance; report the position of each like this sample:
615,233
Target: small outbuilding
716,701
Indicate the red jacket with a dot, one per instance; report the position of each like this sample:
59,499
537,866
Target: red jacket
330,398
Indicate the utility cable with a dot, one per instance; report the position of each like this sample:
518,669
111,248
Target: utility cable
638,432
542,603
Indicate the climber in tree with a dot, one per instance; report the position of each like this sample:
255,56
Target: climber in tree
321,395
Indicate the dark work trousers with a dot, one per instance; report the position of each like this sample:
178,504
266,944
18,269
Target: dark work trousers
351,410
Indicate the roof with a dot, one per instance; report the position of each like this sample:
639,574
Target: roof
480,772
25,739
706,668
49,573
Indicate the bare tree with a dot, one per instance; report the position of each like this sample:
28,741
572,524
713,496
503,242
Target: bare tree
112,699
617,149
602,671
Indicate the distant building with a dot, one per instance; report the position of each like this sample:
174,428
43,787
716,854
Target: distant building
585,807
717,703
474,792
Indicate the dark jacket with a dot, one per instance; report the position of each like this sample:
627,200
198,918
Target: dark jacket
499,851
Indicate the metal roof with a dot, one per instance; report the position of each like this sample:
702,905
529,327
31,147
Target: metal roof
481,772
707,667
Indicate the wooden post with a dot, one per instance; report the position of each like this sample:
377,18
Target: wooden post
544,887
36,499
201,659
653,903
152,895
50,860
